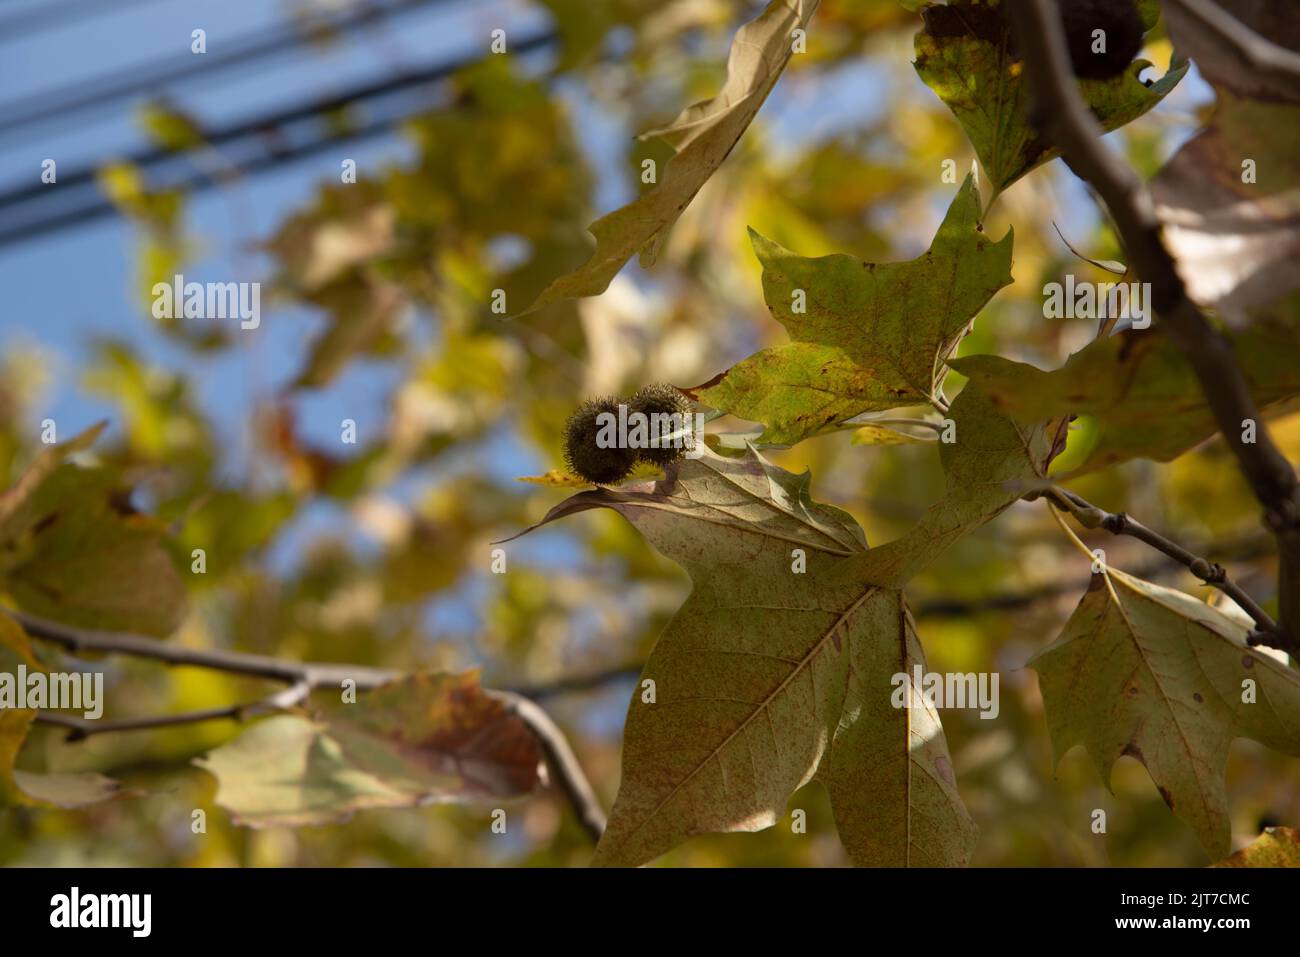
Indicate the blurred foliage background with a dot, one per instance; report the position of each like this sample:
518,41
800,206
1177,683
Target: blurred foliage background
376,308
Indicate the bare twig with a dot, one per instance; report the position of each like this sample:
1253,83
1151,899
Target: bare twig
571,684
302,677
1063,116
1212,573
560,759
81,728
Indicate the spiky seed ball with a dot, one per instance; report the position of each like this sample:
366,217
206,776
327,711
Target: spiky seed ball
1122,27
584,456
662,399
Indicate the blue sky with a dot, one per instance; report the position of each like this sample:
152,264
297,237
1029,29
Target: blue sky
63,289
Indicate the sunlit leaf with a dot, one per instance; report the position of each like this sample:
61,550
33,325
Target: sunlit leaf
1276,847
771,673
989,464
1154,674
866,336
1231,207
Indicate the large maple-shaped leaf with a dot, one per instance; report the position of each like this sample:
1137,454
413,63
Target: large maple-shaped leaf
1276,847
701,137
870,336
989,465
966,53
1144,396
30,787
73,549
772,673
421,739
1155,674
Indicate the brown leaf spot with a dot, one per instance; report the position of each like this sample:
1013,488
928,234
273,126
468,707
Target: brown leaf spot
45,523
1247,661
1197,696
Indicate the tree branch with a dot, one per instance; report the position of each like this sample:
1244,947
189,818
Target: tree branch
1064,118
81,728
302,677
560,759
571,684
1212,573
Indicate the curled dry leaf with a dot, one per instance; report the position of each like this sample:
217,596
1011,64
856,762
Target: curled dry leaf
701,137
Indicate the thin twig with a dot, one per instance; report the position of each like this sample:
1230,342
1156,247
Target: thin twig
81,728
560,759
303,677
573,684
1065,119
1212,573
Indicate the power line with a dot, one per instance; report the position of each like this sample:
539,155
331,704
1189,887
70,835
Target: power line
53,15
96,207
75,98
256,126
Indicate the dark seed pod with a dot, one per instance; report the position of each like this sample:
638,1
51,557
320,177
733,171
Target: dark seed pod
661,399
601,466
1121,27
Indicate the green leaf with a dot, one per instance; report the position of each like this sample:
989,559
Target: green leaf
701,137
926,825
1144,396
1155,674
69,790
966,54
418,740
772,673
1276,847
988,465
73,549
870,336
583,26
26,787
15,650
